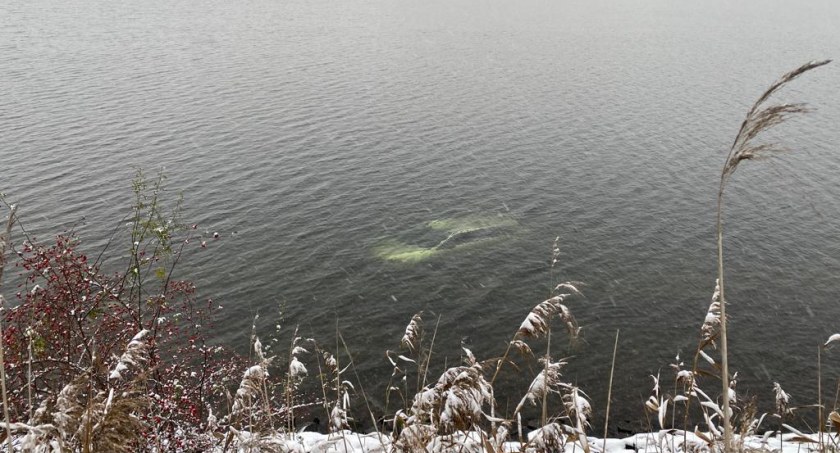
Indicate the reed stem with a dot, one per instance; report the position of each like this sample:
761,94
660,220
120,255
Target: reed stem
609,390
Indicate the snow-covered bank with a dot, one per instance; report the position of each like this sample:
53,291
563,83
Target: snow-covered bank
475,442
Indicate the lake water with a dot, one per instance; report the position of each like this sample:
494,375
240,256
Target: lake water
308,132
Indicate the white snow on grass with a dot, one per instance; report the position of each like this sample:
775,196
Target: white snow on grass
665,441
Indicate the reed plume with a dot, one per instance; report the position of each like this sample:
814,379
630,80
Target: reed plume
413,332
538,321
253,389
712,324
134,357
759,118
782,400
547,381
551,437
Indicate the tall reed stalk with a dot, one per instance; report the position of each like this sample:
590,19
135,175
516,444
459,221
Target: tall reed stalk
609,390
760,118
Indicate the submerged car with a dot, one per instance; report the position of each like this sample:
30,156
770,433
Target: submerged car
446,235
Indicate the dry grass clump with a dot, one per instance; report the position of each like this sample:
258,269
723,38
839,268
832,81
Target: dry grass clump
88,415
459,411
250,409
456,401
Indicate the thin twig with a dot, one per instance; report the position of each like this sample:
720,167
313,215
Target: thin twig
361,387
820,419
429,357
609,389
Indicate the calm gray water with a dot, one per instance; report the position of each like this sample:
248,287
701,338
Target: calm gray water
314,130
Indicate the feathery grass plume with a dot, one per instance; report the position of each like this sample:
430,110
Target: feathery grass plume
111,419
834,418
249,387
134,357
538,321
415,437
250,421
464,395
413,332
759,118
523,348
547,381
464,400
297,369
469,357
569,286
782,400
551,437
339,419
749,423
70,405
40,438
114,422
330,362
295,373
578,410
338,416
686,378
536,324
498,437
733,396
455,402
656,403
711,325
41,434
578,407
831,339
555,251
252,387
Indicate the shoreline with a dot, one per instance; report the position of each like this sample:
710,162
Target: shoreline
669,440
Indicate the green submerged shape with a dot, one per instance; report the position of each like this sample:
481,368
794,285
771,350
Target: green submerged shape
447,235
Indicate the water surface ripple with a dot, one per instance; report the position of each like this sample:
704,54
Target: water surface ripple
313,130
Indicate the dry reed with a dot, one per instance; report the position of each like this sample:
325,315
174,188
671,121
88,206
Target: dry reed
759,119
